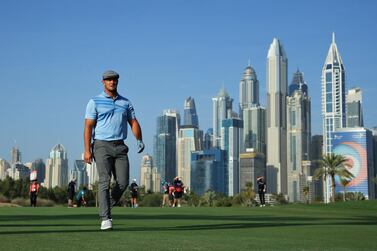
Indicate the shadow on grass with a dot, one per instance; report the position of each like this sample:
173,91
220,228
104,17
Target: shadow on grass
87,223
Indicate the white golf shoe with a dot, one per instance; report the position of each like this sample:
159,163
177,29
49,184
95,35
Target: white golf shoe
107,224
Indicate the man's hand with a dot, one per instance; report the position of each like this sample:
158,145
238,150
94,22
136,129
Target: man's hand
88,157
140,146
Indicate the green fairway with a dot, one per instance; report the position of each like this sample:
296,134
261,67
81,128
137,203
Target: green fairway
343,226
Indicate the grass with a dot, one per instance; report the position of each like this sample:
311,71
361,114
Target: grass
342,226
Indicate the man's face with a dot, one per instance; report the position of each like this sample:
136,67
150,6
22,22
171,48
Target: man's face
110,84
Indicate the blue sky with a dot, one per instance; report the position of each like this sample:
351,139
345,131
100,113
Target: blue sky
52,55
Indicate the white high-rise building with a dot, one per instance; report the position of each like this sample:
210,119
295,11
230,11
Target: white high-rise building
333,102
189,139
249,88
222,109
4,165
277,64
57,168
92,172
150,178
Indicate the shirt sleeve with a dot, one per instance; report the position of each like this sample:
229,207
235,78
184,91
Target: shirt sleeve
131,112
91,112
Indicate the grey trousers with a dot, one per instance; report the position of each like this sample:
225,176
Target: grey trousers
111,160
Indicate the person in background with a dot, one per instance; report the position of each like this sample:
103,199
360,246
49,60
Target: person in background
71,191
33,191
165,197
178,192
261,190
133,189
171,195
80,197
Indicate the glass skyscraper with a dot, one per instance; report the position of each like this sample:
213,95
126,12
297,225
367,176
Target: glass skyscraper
165,144
298,137
222,109
231,131
79,172
190,116
208,171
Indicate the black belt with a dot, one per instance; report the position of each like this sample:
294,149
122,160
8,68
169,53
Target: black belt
114,142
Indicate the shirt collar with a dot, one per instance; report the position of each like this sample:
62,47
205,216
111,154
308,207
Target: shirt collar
107,96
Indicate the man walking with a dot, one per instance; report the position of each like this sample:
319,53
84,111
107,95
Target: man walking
261,190
106,119
71,192
133,189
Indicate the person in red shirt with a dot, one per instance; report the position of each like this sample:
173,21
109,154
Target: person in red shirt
33,191
178,192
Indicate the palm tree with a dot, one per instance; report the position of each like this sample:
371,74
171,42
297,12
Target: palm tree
333,165
344,183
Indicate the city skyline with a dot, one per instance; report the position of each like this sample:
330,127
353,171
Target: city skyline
55,53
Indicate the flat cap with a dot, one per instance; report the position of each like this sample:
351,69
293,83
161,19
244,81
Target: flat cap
110,75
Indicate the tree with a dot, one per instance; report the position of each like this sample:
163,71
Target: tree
333,165
209,197
248,194
345,183
305,191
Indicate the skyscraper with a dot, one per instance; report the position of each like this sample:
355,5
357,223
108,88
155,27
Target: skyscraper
18,171
252,165
80,173
316,146
165,144
208,171
231,131
4,166
57,167
277,64
254,131
16,155
92,172
39,166
208,139
190,116
298,137
354,108
190,139
252,114
149,176
249,88
333,102
222,109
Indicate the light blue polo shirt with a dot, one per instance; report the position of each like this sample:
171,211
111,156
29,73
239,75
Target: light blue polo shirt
112,116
